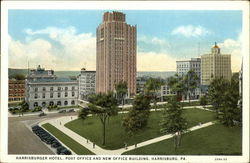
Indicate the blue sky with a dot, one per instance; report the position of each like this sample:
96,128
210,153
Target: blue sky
66,38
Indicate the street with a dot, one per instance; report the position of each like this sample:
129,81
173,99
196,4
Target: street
21,140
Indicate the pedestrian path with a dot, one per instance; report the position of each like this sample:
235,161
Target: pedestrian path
60,122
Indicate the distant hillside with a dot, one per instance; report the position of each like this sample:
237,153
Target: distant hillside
13,72
156,74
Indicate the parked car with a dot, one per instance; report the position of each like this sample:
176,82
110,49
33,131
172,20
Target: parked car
70,110
65,152
62,111
60,149
42,114
56,145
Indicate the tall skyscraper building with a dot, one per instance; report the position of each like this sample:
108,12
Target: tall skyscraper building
215,65
115,53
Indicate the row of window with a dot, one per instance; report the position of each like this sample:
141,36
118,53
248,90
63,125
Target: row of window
52,88
16,90
51,103
52,95
168,92
16,95
184,66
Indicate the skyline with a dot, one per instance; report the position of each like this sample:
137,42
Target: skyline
164,37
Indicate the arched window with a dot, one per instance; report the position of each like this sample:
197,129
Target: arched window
35,104
44,104
59,103
51,103
73,102
65,102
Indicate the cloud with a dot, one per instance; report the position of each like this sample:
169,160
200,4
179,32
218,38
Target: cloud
149,44
152,61
190,31
233,47
75,50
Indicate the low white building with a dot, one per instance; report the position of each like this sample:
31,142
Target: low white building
86,83
44,89
49,92
165,92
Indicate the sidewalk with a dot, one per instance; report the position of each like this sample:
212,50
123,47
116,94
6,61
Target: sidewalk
98,150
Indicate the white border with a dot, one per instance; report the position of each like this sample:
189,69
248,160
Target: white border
126,5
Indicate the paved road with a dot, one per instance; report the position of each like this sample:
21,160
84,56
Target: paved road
21,140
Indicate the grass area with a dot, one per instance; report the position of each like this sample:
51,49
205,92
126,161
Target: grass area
116,136
212,140
71,143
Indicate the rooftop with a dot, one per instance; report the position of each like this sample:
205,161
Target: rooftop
57,80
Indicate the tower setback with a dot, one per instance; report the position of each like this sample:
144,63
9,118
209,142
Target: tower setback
115,53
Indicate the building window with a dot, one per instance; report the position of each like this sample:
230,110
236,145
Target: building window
36,96
36,89
58,94
59,103
66,94
73,88
51,95
44,88
44,104
73,102
51,103
51,88
66,88
35,104
65,102
73,94
43,95
59,88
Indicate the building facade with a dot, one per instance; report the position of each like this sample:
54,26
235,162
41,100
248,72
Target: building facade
115,53
215,65
86,82
48,90
184,66
16,90
166,91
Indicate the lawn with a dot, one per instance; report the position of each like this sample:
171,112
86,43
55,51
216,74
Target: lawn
69,142
116,136
212,140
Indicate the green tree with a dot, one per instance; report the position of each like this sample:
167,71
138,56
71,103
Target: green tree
176,84
104,106
153,85
216,93
203,101
84,112
230,108
19,76
121,90
173,121
137,117
24,106
191,82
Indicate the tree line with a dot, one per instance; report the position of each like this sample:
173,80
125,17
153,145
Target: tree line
223,95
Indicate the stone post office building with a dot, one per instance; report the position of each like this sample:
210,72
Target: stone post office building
44,89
